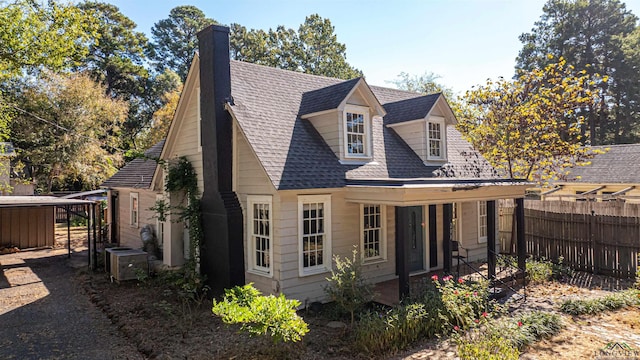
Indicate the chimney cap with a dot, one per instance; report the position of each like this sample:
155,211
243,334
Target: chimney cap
213,28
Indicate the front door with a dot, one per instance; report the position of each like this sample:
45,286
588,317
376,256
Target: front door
415,238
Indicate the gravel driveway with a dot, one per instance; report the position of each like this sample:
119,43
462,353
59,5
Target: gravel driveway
44,315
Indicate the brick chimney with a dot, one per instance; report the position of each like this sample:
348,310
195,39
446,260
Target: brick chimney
221,253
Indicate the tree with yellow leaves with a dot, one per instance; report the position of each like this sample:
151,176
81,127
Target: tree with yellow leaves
529,127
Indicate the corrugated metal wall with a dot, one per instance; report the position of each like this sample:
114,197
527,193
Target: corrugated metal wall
26,227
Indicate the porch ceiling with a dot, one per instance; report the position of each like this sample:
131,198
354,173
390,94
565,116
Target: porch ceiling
420,194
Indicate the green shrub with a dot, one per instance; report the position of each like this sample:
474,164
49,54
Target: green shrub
347,286
637,283
273,316
539,272
382,331
483,347
606,303
463,301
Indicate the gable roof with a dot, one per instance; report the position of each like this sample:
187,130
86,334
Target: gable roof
616,166
326,98
409,109
137,173
267,106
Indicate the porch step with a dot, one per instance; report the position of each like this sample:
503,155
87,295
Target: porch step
496,293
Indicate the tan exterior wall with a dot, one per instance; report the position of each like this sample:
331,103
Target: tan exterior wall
414,135
129,235
26,227
253,180
330,128
568,192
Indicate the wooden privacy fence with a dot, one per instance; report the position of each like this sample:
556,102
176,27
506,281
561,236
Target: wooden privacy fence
598,237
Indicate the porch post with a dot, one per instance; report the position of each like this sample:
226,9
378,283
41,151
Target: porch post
491,239
520,240
447,214
402,252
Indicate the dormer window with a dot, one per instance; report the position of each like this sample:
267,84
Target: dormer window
357,132
436,138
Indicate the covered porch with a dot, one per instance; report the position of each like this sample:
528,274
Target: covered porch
440,226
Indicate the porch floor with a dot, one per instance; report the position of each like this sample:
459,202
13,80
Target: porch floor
387,291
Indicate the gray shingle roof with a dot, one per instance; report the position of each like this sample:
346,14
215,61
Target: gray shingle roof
137,173
326,98
267,105
619,165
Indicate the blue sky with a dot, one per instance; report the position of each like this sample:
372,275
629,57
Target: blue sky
463,41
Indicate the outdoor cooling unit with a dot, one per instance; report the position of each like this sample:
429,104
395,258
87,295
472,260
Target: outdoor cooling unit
126,264
108,255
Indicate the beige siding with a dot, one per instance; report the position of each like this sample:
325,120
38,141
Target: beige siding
345,226
357,99
253,180
330,128
129,234
568,192
187,140
473,249
414,135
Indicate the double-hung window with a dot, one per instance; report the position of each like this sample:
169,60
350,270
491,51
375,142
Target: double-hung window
133,209
260,234
436,131
372,232
482,221
357,132
314,232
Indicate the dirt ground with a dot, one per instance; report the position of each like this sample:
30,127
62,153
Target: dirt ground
142,321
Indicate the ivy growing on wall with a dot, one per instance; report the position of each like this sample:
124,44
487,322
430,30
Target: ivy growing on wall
181,180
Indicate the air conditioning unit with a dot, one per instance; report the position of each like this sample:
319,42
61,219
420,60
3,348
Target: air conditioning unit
127,264
107,256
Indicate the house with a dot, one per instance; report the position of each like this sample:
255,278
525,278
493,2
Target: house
611,176
296,168
131,197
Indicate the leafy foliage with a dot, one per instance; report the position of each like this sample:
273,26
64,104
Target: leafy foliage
529,127
273,316
347,285
487,347
609,302
66,127
175,41
60,30
599,37
313,49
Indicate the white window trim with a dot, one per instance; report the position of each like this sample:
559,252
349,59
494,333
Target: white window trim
134,222
482,239
252,268
327,247
443,140
383,235
367,131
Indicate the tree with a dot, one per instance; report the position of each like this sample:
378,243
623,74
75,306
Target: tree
175,40
313,49
116,56
35,36
65,126
590,35
530,127
161,120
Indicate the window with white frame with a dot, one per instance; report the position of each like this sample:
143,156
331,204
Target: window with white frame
482,221
356,131
133,209
260,230
314,232
372,241
436,131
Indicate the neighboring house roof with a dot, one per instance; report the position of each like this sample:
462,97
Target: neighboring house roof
268,103
618,165
137,173
7,149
